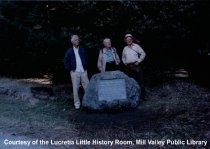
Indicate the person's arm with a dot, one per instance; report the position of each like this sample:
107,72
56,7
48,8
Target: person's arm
116,57
100,59
123,56
143,54
67,61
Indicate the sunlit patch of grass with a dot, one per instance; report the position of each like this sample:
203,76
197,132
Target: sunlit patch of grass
45,118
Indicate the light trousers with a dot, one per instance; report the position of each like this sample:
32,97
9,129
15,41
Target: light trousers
76,78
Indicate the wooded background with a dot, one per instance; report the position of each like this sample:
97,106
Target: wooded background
34,36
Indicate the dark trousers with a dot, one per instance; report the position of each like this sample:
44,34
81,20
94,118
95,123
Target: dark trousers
111,66
138,76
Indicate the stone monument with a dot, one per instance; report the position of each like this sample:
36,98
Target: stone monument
111,90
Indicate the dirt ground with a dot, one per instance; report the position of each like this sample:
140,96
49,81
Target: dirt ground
178,110
173,110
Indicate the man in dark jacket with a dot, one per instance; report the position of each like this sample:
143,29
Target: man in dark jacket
75,61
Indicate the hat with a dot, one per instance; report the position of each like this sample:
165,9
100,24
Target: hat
128,35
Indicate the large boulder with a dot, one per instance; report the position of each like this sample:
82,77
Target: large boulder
111,90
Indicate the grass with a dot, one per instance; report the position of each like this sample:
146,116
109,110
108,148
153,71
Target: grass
45,120
173,110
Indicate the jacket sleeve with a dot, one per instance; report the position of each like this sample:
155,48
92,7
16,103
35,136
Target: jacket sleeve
100,59
67,61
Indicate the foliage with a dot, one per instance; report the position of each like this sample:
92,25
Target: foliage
35,35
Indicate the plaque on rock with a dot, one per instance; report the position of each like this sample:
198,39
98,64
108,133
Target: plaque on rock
111,89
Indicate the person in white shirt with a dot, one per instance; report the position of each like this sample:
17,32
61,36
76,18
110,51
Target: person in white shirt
76,62
132,56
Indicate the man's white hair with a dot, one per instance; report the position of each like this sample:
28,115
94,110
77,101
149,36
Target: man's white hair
106,40
74,37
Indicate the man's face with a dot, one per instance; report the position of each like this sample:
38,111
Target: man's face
129,40
75,42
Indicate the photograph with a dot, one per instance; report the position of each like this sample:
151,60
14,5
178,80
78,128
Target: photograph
104,74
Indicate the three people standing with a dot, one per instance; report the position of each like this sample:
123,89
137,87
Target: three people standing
75,61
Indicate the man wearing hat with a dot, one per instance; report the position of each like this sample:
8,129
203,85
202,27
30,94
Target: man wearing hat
132,57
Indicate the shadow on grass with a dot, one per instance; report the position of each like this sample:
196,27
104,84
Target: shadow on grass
116,125
174,110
